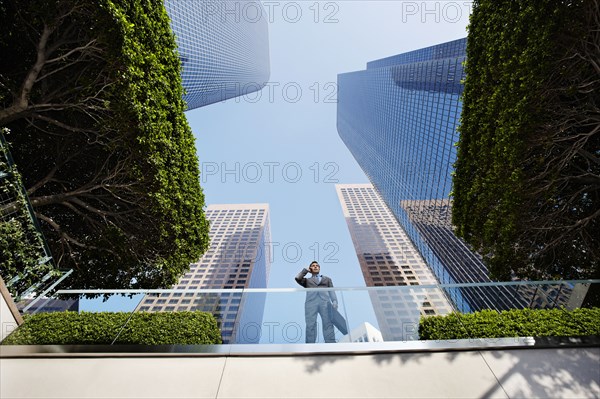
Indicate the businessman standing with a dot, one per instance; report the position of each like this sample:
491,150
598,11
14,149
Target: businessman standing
318,303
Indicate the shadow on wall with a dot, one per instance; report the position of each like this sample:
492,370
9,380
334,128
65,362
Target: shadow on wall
547,373
523,373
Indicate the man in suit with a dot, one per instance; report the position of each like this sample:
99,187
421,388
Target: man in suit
318,303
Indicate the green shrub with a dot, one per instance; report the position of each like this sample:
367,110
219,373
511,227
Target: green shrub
111,167
521,196
512,323
72,328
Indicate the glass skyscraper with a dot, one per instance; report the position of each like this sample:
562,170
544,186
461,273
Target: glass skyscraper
223,46
399,119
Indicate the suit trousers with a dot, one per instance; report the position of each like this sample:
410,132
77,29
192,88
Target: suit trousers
311,309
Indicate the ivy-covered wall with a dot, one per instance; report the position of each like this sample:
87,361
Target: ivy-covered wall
527,181
111,167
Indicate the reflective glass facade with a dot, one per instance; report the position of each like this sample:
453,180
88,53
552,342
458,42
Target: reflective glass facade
399,119
223,46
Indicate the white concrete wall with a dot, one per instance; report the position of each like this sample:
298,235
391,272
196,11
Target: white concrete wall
9,316
522,373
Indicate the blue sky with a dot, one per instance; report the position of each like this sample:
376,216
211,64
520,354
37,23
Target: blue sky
281,146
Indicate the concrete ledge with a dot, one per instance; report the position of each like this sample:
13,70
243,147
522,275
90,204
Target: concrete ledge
503,373
73,351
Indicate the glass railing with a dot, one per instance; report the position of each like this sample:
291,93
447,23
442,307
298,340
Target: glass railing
297,316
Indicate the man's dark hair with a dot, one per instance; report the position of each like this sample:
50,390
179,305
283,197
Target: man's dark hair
313,262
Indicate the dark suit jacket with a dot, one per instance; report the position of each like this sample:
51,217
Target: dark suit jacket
311,283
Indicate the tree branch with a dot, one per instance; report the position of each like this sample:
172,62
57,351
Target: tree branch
21,102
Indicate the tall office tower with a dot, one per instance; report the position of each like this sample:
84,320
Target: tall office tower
399,119
223,46
238,257
388,258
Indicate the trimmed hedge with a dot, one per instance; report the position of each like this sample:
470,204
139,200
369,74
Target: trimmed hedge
73,328
512,323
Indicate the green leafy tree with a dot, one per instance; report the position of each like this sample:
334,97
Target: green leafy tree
93,98
527,181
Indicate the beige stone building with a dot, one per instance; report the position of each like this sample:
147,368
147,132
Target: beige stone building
388,258
238,258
